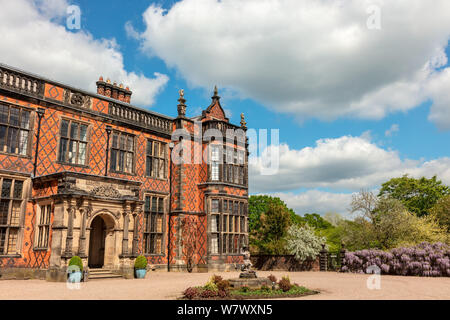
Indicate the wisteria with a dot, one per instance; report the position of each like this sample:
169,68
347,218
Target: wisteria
425,259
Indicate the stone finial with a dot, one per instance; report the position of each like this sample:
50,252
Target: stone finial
215,97
243,123
181,104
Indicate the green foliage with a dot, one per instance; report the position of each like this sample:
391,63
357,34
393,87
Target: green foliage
418,195
211,284
390,225
269,219
76,261
303,242
441,211
315,221
244,289
140,263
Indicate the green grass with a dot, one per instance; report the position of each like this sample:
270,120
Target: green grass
295,290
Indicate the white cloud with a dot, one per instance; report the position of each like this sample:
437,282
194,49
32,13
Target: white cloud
343,164
34,39
393,129
305,57
315,201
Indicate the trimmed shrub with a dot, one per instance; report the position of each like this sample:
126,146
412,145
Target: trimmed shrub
223,285
208,294
140,263
285,284
222,293
210,285
272,278
191,293
216,279
76,261
425,259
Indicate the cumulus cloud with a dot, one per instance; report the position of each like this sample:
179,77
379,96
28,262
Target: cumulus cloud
308,58
315,201
344,164
34,39
393,129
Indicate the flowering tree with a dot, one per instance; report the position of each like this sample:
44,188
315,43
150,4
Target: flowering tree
303,242
425,259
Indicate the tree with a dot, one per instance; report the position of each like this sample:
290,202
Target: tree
315,221
270,237
303,242
386,223
441,211
258,205
418,195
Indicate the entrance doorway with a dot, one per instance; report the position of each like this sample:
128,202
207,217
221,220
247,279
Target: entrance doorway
97,243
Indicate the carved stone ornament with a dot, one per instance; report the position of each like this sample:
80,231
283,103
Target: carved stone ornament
77,99
106,192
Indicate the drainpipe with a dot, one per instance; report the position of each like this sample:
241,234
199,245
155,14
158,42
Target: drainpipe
40,113
171,146
108,133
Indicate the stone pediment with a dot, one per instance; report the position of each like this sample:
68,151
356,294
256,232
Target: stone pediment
106,192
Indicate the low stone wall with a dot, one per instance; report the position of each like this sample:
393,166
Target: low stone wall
283,263
22,274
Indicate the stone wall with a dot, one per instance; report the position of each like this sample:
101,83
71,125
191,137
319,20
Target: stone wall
283,263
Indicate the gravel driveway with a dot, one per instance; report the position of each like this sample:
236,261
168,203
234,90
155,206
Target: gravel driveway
163,285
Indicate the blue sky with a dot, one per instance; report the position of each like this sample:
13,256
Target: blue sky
347,86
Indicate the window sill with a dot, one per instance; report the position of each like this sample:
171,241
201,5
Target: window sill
159,179
123,173
16,255
40,249
154,255
16,155
72,164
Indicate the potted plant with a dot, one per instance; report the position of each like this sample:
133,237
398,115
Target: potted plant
140,267
75,269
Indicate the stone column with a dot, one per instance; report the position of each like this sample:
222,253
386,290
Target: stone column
69,239
126,213
82,244
136,215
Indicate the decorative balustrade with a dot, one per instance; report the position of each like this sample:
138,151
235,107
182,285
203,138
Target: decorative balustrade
21,83
142,118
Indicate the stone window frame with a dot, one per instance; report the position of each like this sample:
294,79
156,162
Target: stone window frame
60,138
20,214
39,206
146,232
150,159
119,149
226,219
19,127
231,164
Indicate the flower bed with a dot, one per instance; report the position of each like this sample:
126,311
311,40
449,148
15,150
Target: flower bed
218,289
430,260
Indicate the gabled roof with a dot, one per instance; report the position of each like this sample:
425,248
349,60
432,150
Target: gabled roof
215,110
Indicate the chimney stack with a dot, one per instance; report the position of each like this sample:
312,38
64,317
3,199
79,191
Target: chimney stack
113,90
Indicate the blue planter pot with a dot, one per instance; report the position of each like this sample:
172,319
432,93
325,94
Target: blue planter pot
75,277
140,273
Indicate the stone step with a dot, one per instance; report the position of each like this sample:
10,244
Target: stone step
100,274
105,276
